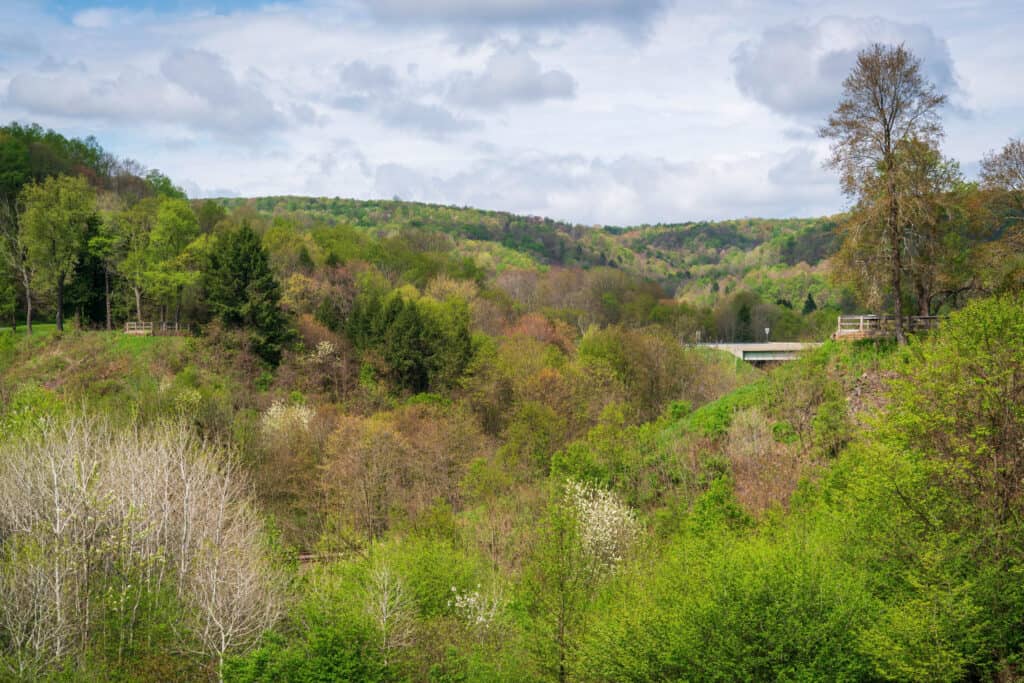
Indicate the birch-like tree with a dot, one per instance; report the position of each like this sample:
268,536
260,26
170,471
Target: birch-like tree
103,530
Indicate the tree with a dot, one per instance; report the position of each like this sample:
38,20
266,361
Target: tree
242,291
885,101
175,228
54,224
8,297
1002,173
108,532
161,186
1004,170
744,331
14,174
107,246
809,305
582,538
209,213
928,208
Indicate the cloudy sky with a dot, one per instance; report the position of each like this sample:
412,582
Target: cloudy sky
594,111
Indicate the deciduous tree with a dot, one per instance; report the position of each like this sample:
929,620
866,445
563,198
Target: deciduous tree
54,224
886,101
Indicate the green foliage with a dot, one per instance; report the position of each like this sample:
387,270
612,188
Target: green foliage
339,648
734,609
800,525
713,420
651,364
27,409
425,343
162,186
242,291
54,228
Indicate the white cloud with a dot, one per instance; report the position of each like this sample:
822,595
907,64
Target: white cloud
623,190
797,69
232,107
558,108
511,76
376,89
194,88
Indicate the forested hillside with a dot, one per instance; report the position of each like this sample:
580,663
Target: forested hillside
387,441
777,269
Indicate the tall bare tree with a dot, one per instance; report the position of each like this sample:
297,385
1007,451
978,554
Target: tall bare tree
886,101
102,529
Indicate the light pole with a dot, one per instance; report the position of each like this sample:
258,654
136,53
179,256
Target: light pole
767,331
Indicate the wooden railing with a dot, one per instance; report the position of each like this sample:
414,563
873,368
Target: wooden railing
138,328
171,329
866,326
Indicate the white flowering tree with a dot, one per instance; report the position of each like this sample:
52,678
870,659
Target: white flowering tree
584,537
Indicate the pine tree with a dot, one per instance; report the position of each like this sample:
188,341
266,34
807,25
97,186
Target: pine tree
405,349
809,305
242,291
744,330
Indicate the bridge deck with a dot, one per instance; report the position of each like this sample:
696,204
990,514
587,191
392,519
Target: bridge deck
764,351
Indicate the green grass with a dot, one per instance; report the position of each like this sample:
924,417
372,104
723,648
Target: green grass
37,328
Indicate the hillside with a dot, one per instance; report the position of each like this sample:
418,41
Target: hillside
387,441
773,267
747,484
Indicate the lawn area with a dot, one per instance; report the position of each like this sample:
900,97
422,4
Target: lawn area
37,328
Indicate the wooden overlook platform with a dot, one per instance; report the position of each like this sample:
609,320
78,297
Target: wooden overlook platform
853,327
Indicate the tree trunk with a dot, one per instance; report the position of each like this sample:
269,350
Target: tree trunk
894,238
28,301
106,296
138,304
897,286
60,302
177,308
924,300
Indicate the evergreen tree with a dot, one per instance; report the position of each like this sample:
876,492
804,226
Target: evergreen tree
405,348
809,305
362,321
744,331
242,291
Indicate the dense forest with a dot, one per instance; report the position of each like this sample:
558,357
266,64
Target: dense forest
388,441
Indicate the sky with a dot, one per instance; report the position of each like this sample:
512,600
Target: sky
610,112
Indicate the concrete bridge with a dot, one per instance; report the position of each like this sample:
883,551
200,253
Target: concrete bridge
765,351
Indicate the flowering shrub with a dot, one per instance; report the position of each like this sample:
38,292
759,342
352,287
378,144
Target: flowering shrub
282,418
608,528
477,609
326,352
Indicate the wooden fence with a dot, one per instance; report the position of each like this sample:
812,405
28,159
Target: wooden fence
874,326
163,329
